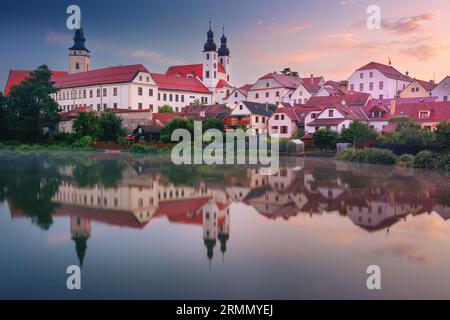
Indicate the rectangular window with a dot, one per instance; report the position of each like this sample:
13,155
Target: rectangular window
164,96
267,94
170,97
182,98
381,85
352,87
371,74
330,113
361,75
105,92
159,96
98,93
150,92
361,87
115,92
115,105
177,98
84,94
140,91
371,86
140,106
257,95
257,119
91,93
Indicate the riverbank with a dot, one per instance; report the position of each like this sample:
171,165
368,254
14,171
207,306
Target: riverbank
423,160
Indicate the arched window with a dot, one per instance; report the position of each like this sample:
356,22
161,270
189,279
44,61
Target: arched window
77,66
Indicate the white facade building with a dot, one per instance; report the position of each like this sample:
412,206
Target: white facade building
442,90
379,80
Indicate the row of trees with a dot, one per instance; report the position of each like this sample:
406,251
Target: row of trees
407,133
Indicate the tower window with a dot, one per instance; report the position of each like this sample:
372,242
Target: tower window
221,60
207,56
207,74
77,66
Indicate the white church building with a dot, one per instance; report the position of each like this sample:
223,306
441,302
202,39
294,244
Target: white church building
133,87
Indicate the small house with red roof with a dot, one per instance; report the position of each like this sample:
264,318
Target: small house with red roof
379,80
336,118
285,122
418,89
307,88
238,95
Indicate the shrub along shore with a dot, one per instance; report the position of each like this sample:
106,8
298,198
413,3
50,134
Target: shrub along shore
423,160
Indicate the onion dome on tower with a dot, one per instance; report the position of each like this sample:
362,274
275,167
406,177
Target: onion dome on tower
210,45
79,41
223,50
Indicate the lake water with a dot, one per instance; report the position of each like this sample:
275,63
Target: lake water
142,228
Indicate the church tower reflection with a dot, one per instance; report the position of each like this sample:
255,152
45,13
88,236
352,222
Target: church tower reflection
80,229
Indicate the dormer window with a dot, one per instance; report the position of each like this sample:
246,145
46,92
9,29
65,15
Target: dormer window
330,113
424,114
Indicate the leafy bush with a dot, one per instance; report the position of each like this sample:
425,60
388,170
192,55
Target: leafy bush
61,138
358,131
325,139
443,136
371,156
425,160
85,142
405,160
442,162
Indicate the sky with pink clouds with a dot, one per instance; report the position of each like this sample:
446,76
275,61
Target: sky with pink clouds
321,37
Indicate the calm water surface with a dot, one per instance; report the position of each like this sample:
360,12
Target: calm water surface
143,228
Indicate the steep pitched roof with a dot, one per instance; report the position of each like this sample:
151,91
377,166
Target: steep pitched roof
427,85
258,108
388,71
168,82
111,75
222,84
439,111
211,111
190,70
353,98
16,77
312,84
289,82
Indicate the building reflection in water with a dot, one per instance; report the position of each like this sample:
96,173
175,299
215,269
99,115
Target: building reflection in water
373,201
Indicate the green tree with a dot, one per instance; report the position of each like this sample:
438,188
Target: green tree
177,123
358,131
443,135
110,126
165,109
213,124
33,112
86,124
325,139
3,118
289,72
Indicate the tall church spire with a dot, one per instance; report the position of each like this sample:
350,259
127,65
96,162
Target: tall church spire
223,50
210,44
79,41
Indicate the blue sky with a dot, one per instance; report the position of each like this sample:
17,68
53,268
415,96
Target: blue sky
326,37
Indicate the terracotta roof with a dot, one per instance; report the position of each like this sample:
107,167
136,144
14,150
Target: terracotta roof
183,211
427,85
387,102
326,122
16,77
222,83
111,75
177,83
164,118
353,98
390,127
312,84
74,113
386,70
190,70
439,111
211,111
289,82
298,113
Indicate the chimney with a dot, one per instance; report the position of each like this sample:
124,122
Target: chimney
393,106
343,86
407,73
432,82
312,78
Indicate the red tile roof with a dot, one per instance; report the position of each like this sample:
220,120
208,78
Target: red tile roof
312,84
178,83
326,122
111,75
298,113
16,77
222,84
164,118
439,111
427,85
386,70
183,211
387,102
353,98
190,70
289,82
